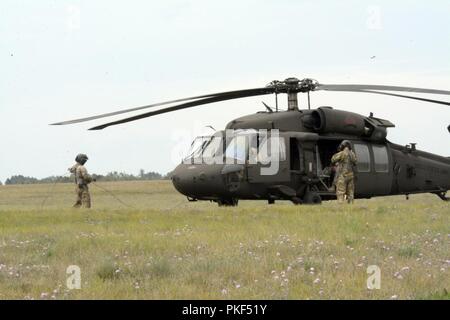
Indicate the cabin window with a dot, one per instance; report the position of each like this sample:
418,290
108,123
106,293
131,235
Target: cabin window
363,157
380,157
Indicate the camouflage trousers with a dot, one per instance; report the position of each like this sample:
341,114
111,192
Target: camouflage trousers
345,187
83,197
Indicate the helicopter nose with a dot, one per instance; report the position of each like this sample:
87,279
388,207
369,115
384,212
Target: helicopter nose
199,180
181,181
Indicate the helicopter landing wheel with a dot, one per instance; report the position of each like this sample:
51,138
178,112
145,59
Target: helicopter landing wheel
312,197
233,202
296,200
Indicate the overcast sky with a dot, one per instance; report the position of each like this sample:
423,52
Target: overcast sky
66,59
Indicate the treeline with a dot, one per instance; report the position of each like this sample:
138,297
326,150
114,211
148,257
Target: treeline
111,176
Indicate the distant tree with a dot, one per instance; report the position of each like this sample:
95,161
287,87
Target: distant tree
168,175
53,179
152,176
111,176
20,179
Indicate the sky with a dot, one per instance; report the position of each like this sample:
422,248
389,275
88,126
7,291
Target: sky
66,59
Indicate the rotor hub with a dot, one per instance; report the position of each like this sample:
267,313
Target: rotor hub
293,85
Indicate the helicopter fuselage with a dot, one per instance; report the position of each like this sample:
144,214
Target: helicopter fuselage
304,170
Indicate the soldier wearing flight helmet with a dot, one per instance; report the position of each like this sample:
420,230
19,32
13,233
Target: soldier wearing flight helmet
345,161
82,180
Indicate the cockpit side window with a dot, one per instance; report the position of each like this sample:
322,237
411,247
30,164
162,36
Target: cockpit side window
265,151
237,148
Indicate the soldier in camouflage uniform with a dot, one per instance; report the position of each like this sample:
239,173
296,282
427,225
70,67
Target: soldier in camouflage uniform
82,179
345,161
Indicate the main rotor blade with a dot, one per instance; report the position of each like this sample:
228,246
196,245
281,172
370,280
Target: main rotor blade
217,98
403,96
109,114
353,87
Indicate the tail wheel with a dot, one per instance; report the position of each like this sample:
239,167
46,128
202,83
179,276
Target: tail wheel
312,197
233,202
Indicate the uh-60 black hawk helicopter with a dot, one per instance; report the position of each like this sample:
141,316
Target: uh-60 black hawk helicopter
307,140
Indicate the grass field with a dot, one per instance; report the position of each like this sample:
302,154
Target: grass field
164,247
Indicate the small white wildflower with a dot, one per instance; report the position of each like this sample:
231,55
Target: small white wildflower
398,275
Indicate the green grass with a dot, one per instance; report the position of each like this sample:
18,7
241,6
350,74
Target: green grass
164,247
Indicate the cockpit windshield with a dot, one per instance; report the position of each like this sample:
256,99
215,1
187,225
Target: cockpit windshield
197,146
241,146
206,147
